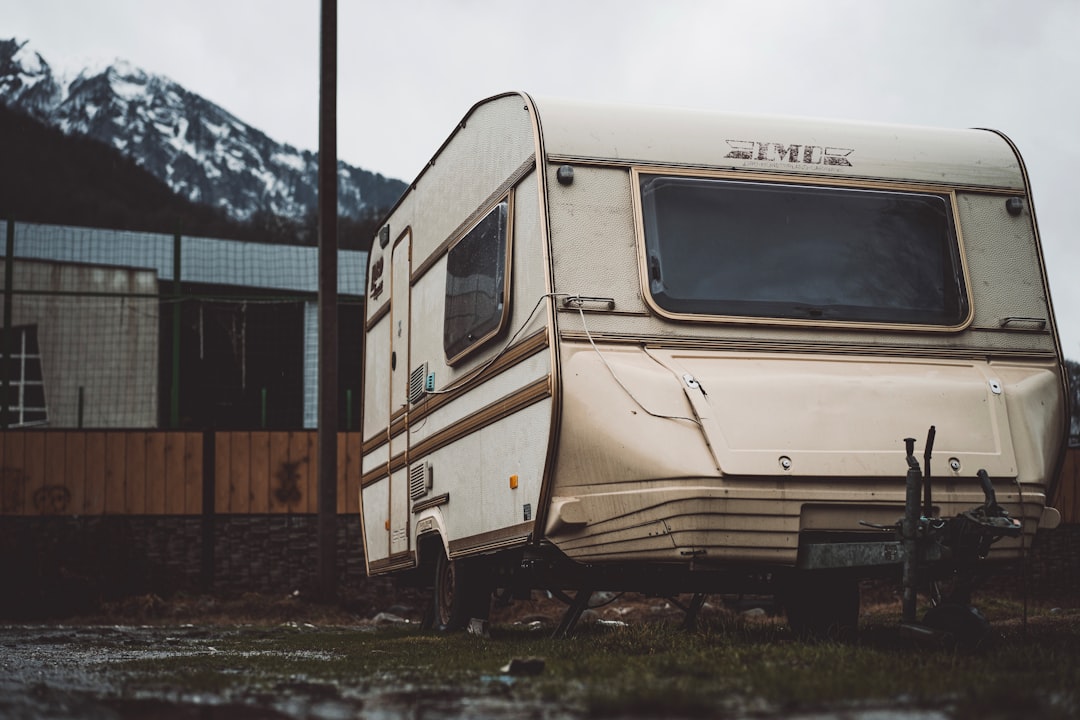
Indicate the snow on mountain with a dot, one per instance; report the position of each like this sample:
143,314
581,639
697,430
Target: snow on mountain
26,79
199,149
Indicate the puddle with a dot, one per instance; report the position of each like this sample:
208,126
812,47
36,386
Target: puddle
59,672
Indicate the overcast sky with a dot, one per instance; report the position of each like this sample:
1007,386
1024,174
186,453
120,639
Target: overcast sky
410,69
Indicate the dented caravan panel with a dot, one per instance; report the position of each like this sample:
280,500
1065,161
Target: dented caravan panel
618,430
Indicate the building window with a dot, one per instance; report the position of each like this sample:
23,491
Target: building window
26,384
780,251
476,284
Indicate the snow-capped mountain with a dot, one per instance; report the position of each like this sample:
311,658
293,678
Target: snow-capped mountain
197,148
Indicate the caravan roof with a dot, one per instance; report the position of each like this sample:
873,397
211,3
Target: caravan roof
583,131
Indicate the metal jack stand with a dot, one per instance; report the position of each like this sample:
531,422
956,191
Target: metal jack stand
964,540
909,534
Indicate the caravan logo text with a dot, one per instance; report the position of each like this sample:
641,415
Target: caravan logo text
794,154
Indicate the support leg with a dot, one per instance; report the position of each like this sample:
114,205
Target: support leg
692,611
573,614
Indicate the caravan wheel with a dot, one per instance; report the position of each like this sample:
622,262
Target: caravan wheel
461,593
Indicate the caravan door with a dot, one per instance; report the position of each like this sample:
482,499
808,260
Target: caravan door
400,330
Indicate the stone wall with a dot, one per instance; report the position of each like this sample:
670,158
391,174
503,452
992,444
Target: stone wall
55,565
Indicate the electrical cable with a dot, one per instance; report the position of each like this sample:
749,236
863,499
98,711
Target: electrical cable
619,382
592,342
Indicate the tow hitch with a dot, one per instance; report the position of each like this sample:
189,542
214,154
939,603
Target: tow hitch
961,542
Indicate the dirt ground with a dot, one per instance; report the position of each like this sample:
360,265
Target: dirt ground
376,605
79,667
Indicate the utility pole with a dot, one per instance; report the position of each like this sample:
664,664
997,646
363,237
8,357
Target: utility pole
8,334
328,300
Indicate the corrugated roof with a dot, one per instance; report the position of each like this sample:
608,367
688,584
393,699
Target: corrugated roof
203,260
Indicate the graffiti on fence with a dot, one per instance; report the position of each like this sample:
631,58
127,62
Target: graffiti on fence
288,476
52,499
12,482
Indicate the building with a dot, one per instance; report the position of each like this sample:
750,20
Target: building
144,330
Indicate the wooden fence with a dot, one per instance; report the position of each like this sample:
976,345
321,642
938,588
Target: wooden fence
131,472
1067,498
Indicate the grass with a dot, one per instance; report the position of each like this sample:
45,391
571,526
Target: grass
731,666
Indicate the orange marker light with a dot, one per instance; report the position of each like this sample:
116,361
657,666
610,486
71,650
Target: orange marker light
513,482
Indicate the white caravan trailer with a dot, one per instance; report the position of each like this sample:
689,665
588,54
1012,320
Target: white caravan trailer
669,351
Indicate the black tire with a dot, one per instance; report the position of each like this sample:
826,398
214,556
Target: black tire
959,625
461,594
822,607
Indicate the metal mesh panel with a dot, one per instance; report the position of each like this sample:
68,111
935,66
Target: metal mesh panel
122,343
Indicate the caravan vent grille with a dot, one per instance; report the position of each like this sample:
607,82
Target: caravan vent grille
417,379
419,480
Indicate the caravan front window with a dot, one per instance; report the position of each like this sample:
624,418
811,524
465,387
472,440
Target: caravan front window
476,287
725,248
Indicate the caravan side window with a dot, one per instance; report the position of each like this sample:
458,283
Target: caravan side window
477,291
